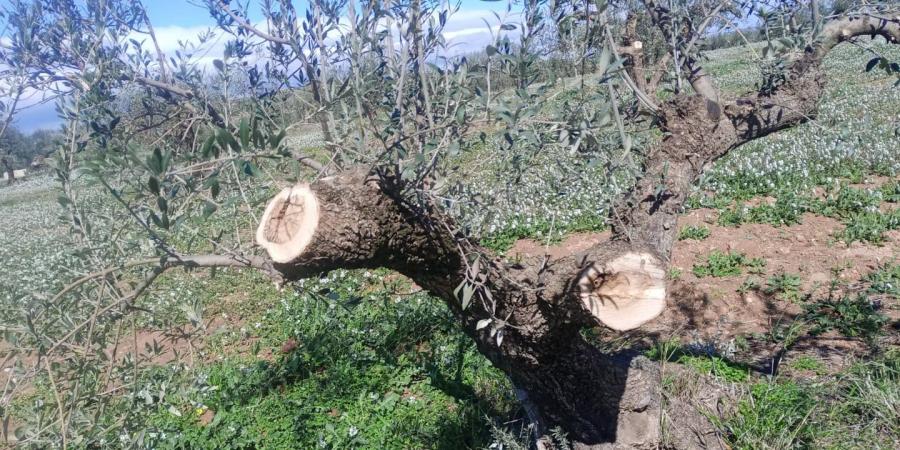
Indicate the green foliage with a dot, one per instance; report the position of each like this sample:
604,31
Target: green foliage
772,416
858,209
665,350
870,226
785,285
890,191
376,365
697,233
786,210
749,284
382,370
809,363
852,316
857,409
674,273
670,350
720,264
865,398
848,201
542,230
885,280
717,366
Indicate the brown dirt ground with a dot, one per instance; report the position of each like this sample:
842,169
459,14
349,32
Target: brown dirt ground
711,310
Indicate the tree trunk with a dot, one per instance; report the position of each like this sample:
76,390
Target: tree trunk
8,168
535,308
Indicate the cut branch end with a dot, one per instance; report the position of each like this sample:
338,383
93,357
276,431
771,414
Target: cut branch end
289,223
625,293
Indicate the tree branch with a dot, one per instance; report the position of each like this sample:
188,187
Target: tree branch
795,99
187,261
700,81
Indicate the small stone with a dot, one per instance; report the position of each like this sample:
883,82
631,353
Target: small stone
749,298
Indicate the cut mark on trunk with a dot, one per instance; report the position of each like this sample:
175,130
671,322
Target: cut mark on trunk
289,222
625,293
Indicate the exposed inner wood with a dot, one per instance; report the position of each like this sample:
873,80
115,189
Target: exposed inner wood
625,293
288,223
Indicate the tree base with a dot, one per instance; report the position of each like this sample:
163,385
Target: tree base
654,416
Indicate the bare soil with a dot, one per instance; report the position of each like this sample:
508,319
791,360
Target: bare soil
711,310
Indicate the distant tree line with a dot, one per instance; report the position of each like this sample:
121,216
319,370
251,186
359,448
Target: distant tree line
19,150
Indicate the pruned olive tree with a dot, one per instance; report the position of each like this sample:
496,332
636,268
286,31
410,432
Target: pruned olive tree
395,105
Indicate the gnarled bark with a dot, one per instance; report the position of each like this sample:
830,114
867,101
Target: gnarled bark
536,308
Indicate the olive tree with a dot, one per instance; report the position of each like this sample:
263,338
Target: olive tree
395,105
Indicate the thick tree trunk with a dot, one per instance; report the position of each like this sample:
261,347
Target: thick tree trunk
535,308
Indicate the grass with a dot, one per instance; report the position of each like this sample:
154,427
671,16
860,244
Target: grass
670,350
857,208
772,416
393,374
890,191
857,409
870,226
785,286
786,210
543,230
808,363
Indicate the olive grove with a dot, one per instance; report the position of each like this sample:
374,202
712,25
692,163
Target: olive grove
173,143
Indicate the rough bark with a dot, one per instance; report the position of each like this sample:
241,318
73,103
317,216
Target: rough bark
533,304
8,168
535,307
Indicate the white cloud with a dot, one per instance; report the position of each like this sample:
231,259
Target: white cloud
472,30
456,34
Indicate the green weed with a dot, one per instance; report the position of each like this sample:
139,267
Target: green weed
542,230
720,264
697,233
749,284
869,226
674,273
670,350
856,410
891,191
372,364
786,210
852,316
806,362
717,366
785,286
885,280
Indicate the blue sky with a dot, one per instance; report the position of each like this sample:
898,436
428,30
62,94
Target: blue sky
176,20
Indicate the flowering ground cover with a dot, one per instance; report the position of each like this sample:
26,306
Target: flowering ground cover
364,359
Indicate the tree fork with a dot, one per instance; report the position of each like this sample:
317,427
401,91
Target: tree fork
537,307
